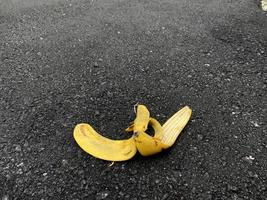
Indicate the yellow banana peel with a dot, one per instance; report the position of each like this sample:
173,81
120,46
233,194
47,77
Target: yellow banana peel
101,147
120,150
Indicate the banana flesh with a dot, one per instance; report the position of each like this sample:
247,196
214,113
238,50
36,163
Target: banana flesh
119,150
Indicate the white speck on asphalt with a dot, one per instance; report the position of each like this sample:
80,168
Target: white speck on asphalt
18,148
20,171
64,162
102,195
255,123
249,159
5,197
20,164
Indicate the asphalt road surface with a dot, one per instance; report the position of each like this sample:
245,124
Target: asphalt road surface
66,62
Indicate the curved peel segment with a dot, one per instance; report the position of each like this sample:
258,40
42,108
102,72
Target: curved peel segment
101,147
174,125
157,128
164,137
142,118
147,145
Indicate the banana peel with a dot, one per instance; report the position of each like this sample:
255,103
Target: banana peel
101,147
120,150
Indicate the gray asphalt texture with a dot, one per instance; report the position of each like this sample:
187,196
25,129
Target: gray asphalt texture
67,62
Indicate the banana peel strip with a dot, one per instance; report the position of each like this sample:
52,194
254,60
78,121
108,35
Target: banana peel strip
164,136
120,150
174,126
101,147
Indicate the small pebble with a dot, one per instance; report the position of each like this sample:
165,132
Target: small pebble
5,197
95,64
249,159
20,171
109,94
64,162
18,148
177,173
102,195
121,193
133,172
255,124
231,188
199,137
